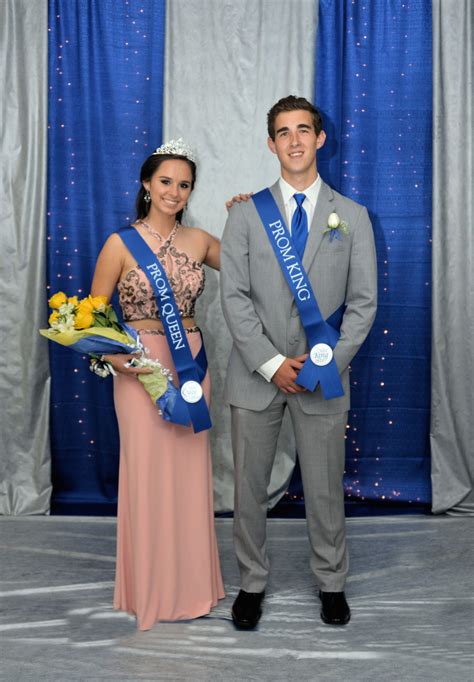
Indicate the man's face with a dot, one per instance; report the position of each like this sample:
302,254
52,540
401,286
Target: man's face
296,143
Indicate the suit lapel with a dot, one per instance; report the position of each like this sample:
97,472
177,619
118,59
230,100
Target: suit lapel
324,206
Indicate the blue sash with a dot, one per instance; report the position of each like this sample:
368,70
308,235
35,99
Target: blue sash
318,330
190,403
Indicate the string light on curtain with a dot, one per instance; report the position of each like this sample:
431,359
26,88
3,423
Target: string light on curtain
105,111
373,83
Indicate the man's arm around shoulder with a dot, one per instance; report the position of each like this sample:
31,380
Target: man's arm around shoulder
239,311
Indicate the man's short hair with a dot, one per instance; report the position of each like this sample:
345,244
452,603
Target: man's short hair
292,103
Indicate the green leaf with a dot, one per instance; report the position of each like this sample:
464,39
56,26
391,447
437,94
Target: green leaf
100,320
155,384
112,315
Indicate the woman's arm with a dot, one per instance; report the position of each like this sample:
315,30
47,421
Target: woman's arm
237,199
213,253
107,273
213,245
108,267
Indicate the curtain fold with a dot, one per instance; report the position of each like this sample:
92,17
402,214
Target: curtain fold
373,83
106,89
452,369
25,481
105,115
243,57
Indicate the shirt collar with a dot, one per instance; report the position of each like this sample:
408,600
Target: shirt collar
312,192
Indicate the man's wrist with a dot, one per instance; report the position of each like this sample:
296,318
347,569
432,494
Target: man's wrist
268,369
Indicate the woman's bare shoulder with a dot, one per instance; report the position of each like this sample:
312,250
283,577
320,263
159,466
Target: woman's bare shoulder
197,233
114,242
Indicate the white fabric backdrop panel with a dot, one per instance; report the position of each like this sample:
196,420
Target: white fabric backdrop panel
452,371
227,63
25,485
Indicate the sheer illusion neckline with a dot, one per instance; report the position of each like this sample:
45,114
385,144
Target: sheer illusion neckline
154,233
172,252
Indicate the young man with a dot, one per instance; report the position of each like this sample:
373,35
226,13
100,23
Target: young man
298,310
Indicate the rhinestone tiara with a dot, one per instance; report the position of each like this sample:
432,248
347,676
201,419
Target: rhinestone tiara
178,147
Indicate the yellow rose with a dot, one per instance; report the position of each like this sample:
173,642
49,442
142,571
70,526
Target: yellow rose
57,300
73,300
85,305
83,319
98,302
53,317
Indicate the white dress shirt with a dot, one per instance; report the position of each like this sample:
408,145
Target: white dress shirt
268,369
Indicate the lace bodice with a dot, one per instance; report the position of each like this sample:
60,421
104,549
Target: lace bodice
186,277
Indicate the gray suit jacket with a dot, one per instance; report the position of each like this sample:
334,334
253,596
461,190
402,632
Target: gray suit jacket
260,311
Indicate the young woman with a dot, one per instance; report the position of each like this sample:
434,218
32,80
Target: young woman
167,559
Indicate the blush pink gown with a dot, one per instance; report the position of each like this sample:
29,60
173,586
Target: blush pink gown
167,558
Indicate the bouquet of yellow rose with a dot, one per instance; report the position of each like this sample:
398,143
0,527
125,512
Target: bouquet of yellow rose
91,326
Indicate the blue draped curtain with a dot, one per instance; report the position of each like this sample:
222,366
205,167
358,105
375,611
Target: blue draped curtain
374,86
373,83
105,116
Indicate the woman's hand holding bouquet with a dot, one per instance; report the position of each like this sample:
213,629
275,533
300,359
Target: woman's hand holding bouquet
91,326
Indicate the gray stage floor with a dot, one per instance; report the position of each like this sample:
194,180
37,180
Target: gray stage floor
410,589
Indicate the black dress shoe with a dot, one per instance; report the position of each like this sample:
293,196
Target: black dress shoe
334,608
247,609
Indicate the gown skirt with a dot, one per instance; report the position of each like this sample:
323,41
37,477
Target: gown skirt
167,558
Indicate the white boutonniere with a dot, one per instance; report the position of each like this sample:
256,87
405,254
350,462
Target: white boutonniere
336,227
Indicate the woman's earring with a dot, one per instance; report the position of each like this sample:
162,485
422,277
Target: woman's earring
147,197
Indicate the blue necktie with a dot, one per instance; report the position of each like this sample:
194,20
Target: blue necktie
299,225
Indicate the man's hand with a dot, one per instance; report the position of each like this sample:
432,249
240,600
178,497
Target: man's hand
286,374
237,199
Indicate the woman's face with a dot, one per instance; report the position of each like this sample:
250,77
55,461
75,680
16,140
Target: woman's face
170,186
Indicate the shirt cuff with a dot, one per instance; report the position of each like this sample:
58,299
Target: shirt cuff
268,369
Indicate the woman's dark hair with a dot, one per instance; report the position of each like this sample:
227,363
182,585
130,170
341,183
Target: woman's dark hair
148,169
